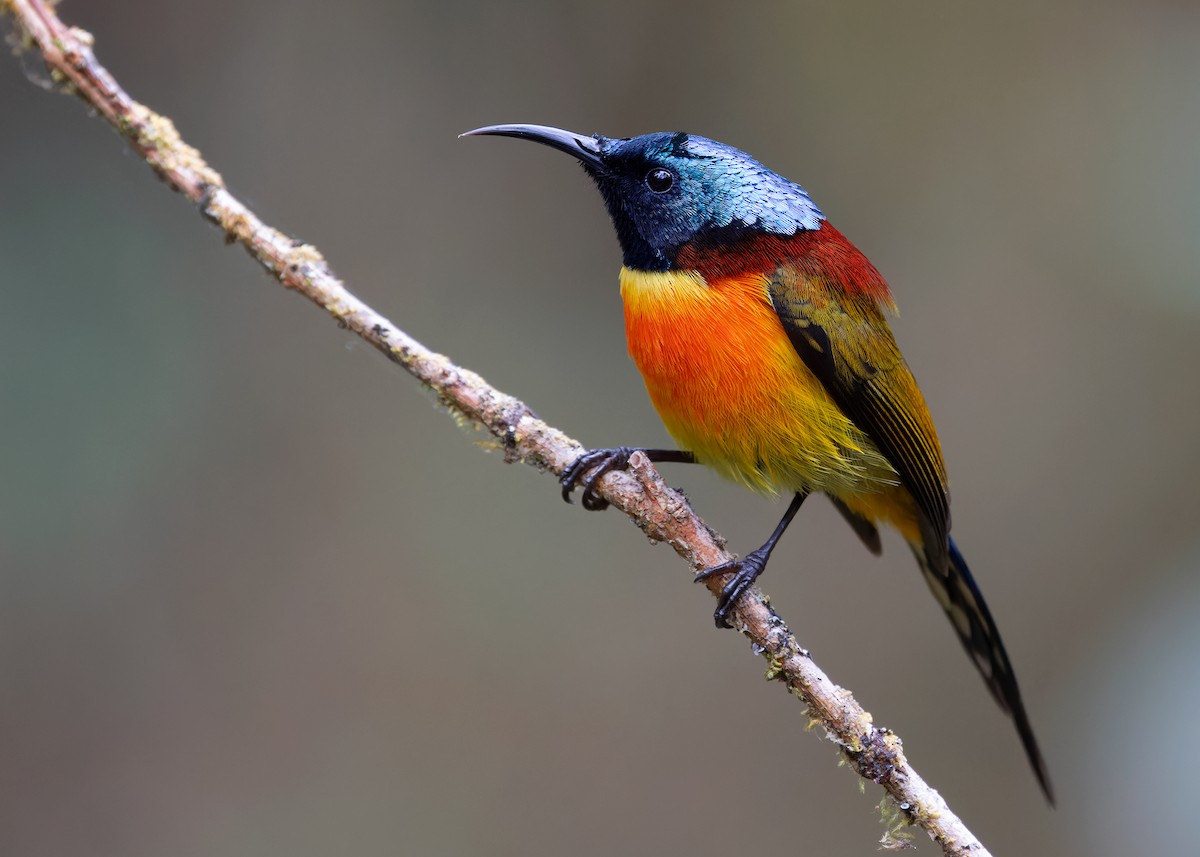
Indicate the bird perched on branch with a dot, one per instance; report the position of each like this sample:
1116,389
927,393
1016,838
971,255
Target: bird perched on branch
760,331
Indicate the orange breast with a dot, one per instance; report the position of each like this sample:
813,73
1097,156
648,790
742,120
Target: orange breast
730,387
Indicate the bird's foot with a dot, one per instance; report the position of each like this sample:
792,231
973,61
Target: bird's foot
743,572
604,461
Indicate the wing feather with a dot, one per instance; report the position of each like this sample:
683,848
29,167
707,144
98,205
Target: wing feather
844,340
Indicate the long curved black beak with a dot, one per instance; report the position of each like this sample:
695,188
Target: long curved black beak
585,149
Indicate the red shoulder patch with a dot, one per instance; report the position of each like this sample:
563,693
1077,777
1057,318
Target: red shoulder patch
825,254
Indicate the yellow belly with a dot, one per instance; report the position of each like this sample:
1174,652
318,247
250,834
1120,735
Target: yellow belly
730,387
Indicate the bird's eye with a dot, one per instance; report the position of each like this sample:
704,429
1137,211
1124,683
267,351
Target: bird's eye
660,180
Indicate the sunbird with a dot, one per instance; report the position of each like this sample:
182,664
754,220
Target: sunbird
760,332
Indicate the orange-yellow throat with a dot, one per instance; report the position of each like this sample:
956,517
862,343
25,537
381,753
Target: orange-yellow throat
731,388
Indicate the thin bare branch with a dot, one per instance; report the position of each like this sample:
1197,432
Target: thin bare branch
664,515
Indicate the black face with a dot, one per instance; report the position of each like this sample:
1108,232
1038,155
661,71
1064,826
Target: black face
643,191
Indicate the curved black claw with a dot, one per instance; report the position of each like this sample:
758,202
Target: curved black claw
603,460
743,574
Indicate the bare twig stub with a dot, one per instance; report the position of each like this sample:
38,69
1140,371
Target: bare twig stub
876,754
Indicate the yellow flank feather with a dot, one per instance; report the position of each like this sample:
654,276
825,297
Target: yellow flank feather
731,388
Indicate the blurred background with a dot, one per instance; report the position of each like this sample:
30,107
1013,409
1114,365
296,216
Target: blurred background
259,595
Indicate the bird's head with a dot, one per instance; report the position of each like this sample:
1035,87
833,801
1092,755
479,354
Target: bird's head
668,190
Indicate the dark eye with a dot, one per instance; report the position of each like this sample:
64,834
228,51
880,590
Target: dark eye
660,180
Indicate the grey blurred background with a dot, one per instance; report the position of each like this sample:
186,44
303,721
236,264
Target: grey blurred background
258,595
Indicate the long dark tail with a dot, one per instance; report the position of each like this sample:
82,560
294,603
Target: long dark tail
956,591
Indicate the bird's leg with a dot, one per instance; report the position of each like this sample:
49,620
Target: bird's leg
747,569
604,460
